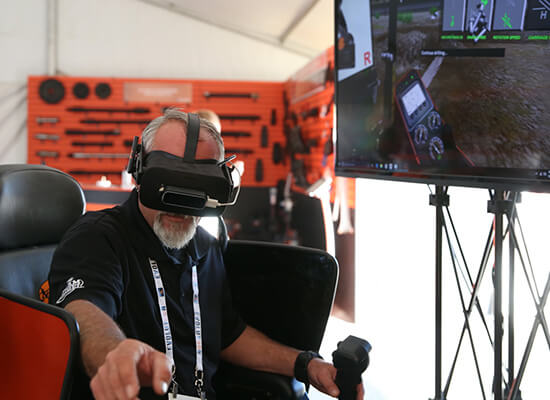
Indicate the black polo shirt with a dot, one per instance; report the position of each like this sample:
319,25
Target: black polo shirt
103,258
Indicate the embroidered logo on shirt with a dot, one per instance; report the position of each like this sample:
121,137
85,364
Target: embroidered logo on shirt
72,285
44,292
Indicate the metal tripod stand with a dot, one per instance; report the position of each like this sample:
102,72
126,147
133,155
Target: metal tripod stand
502,204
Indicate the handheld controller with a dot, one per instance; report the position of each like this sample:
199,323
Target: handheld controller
350,358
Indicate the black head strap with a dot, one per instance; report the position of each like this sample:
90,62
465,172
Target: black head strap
193,128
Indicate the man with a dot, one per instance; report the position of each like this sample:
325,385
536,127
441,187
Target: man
210,116
103,272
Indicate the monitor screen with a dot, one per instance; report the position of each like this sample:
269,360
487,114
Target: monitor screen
451,91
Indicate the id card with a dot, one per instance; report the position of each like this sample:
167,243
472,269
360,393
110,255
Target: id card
185,397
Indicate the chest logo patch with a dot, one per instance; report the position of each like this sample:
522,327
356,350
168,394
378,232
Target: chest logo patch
72,285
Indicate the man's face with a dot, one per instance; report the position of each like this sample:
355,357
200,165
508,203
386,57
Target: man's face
176,230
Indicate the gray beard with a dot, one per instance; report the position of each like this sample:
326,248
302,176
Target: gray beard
175,236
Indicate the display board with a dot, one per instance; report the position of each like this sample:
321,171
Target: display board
85,126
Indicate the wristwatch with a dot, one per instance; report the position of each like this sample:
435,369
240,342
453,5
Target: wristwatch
300,366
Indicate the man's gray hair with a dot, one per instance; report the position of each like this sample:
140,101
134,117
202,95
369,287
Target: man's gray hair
173,114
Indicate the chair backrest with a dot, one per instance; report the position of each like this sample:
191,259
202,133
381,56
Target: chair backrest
39,347
37,205
286,292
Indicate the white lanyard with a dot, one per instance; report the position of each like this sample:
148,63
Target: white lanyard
168,343
161,297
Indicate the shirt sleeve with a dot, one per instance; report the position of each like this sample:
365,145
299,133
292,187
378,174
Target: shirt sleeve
85,266
232,323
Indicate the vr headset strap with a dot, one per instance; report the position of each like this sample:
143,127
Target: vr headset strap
193,128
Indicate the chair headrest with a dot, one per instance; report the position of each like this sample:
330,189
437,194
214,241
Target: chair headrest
37,205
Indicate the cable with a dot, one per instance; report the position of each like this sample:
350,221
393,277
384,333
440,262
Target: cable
7,96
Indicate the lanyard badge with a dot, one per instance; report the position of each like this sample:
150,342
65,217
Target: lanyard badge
168,342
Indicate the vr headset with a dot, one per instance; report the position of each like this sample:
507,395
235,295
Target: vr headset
183,185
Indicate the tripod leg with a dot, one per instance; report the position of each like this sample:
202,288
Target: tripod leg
485,258
540,310
464,311
525,358
477,285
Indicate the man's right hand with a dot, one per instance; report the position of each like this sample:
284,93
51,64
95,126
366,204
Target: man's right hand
129,366
118,366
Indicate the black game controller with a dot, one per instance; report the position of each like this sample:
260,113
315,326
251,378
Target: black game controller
350,358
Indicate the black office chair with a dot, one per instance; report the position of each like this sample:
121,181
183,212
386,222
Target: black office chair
286,292
38,342
37,205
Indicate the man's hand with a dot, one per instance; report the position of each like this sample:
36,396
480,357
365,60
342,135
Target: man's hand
322,376
118,366
130,365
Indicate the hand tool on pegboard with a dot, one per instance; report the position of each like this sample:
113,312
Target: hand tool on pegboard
327,108
259,170
47,120
244,152
92,144
236,134
103,90
277,153
52,91
90,172
133,110
87,156
294,118
107,132
295,142
298,169
47,154
285,106
311,113
232,95
81,90
329,74
114,121
46,136
264,137
237,117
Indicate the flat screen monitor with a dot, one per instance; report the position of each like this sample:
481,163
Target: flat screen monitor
453,92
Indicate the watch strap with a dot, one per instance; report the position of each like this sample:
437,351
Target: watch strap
300,366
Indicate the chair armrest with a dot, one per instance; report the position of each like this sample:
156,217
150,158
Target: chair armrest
233,382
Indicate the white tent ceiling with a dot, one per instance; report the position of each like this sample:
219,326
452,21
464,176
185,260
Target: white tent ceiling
300,26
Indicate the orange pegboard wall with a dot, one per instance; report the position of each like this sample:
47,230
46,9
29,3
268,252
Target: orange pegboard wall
309,119
84,125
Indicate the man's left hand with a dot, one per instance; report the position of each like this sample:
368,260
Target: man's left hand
322,375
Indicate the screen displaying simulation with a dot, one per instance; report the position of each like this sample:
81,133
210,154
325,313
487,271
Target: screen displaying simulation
453,91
